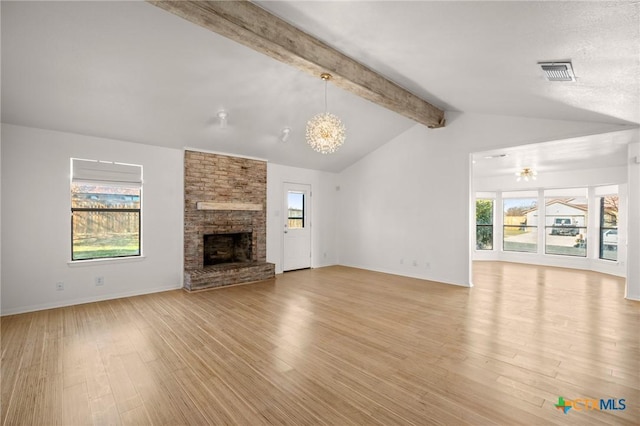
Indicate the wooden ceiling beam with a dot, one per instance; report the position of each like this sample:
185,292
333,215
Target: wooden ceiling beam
249,24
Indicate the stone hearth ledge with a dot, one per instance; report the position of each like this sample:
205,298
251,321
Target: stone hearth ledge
228,275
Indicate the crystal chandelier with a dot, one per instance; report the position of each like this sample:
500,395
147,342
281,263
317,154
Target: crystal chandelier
526,174
325,131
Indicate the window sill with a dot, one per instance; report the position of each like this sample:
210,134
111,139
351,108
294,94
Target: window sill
94,262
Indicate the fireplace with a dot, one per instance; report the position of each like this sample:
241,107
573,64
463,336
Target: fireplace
225,221
227,248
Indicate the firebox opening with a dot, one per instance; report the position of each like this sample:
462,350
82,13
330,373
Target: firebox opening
227,248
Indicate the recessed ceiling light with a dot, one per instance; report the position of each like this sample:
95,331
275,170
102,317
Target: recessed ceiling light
496,156
284,134
558,71
222,117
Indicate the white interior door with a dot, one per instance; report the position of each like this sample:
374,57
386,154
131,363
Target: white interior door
297,227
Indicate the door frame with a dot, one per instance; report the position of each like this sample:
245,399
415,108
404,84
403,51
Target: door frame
308,219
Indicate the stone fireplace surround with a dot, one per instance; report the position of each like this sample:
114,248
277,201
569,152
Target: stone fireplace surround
224,195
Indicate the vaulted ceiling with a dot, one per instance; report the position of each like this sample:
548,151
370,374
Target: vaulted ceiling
132,71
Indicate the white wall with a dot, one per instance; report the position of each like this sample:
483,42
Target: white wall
1,218
408,202
36,221
633,234
323,213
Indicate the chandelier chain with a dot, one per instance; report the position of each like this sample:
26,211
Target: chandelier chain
325,96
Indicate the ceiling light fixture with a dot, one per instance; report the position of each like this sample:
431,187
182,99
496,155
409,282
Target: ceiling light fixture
285,134
526,174
325,131
222,116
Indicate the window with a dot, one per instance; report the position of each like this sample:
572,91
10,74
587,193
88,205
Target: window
566,225
296,209
105,210
520,225
484,224
609,227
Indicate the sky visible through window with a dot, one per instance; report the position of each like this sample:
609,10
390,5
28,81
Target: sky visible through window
295,200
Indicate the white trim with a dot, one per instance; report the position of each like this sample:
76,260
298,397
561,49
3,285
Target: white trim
105,261
82,300
485,196
403,274
226,154
308,214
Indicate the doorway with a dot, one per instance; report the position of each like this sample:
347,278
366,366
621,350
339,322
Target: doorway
297,227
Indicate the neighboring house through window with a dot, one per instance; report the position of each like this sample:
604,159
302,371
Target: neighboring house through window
566,225
105,209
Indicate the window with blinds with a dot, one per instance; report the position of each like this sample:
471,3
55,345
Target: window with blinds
106,209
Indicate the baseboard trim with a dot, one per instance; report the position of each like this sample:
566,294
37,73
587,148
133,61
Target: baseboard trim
83,300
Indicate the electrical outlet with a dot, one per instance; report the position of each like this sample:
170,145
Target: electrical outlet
415,263
59,286
427,265
402,261
99,281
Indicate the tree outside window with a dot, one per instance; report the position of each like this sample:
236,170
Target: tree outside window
484,224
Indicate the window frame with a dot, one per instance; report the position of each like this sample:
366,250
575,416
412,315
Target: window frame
301,218
574,229
602,229
120,179
520,226
490,226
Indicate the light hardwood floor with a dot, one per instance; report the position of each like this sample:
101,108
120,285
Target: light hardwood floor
333,346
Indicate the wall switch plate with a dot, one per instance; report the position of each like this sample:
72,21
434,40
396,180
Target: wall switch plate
99,281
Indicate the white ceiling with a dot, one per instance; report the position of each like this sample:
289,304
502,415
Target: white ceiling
131,71
596,151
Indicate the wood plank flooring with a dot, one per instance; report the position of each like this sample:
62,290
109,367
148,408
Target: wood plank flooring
335,346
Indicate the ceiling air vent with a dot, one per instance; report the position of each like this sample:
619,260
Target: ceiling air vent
557,71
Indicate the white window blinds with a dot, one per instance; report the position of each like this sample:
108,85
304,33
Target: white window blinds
104,171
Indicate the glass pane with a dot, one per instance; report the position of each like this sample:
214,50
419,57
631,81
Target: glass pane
484,237
520,225
566,221
609,227
609,211
521,238
96,196
105,234
484,212
567,241
295,202
296,224
609,244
